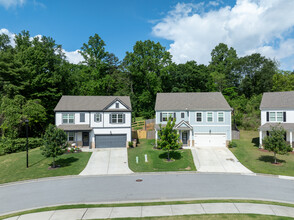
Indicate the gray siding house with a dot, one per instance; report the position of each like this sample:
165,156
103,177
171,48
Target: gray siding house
277,109
95,121
202,119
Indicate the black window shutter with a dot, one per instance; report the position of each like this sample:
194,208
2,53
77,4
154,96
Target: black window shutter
267,116
124,118
110,118
284,117
95,117
174,115
160,117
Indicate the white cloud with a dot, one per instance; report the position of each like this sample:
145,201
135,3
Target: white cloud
72,56
11,3
249,26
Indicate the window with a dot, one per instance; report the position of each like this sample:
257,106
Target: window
97,117
276,117
117,118
166,116
279,116
198,116
220,117
209,117
82,117
117,105
272,116
70,136
182,115
68,118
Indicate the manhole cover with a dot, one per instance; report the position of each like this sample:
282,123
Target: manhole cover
139,180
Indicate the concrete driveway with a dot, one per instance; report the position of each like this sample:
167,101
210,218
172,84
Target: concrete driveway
107,161
217,159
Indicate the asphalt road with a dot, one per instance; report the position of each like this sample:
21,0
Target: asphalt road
99,189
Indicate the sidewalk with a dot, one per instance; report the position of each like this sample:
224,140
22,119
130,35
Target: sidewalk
160,210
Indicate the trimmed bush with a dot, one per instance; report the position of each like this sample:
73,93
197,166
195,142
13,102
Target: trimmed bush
232,144
8,146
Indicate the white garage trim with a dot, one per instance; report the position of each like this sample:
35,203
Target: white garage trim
210,140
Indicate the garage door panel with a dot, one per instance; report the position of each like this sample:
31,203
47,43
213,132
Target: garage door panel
210,140
110,141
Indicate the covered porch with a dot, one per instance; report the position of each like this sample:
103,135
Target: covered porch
184,129
264,131
78,134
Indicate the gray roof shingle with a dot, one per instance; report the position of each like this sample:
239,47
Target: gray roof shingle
191,101
89,103
277,100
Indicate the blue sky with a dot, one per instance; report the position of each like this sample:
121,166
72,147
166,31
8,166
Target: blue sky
188,29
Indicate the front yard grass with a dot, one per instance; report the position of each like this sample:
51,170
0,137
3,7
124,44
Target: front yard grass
183,160
258,160
13,166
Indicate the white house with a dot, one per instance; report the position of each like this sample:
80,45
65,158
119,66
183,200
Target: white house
202,119
95,121
277,109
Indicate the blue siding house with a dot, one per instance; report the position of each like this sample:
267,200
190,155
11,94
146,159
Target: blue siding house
202,119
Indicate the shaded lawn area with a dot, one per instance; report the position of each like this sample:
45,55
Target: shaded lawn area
183,160
13,166
258,160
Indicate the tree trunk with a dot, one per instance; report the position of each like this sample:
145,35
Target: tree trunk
168,155
275,157
53,164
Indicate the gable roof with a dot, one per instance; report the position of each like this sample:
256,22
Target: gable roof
191,101
277,100
90,103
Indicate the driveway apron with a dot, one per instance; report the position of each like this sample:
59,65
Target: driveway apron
107,161
217,159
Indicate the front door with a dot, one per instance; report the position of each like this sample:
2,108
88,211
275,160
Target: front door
85,138
184,137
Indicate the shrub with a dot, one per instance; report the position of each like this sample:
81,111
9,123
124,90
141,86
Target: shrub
8,146
232,144
131,144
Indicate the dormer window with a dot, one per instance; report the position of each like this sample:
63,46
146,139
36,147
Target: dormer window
117,105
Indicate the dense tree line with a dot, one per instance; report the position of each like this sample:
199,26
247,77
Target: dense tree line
35,74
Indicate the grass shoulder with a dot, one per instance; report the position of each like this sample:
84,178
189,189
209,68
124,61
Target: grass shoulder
156,159
259,160
13,166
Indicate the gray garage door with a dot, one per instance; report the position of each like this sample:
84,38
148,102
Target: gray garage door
108,141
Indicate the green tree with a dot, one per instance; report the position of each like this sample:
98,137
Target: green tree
13,113
54,143
275,142
283,81
168,137
146,68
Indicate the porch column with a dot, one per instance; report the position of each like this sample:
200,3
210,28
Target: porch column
190,137
260,139
291,139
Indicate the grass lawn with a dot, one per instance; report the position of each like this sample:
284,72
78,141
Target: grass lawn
183,160
13,166
258,160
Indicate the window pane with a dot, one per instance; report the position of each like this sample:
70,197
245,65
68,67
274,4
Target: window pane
82,117
182,115
64,121
198,117
98,117
279,116
71,116
114,118
209,117
164,116
272,116
220,117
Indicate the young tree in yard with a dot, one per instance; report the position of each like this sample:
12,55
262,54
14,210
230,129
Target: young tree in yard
275,142
54,142
168,137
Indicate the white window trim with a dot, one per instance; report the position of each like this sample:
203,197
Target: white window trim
223,117
276,116
100,117
172,113
68,118
211,116
201,117
117,122
74,135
